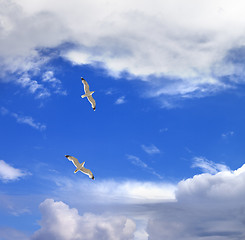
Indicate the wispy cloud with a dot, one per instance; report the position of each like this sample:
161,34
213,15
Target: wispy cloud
152,149
7,233
9,173
120,100
163,130
55,83
4,111
208,166
136,161
49,84
227,134
29,121
110,91
24,119
33,86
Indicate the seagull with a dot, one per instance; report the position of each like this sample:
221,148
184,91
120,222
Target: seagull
88,94
80,166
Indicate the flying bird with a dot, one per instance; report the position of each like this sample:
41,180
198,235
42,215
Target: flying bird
80,166
88,94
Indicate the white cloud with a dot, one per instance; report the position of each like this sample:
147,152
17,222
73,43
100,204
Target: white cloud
59,221
109,201
182,49
136,161
208,207
29,121
209,166
33,86
115,192
9,173
50,84
24,119
120,100
48,76
152,149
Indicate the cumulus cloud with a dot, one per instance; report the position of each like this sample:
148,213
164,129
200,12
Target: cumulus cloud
59,221
208,206
205,206
24,119
185,49
9,173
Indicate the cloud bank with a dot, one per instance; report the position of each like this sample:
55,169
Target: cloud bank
182,48
206,206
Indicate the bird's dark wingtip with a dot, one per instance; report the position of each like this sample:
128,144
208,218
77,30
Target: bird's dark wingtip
93,177
82,78
67,155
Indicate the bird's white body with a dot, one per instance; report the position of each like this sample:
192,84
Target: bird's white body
88,93
80,166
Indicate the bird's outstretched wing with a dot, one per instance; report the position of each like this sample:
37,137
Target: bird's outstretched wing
87,172
85,85
73,159
92,101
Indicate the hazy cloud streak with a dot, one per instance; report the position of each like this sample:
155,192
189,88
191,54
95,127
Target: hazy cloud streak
152,149
136,161
24,119
208,166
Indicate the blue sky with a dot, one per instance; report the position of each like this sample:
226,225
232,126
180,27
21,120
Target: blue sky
166,138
